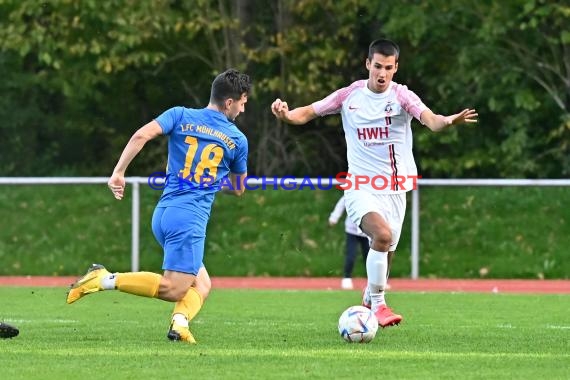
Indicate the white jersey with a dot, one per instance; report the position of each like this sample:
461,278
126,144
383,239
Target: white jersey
378,133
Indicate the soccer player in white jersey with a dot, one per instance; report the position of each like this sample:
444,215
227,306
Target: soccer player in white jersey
376,117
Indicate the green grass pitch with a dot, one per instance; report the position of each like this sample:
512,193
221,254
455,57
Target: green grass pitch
252,334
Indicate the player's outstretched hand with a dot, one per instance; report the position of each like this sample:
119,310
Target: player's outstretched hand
280,109
117,185
466,116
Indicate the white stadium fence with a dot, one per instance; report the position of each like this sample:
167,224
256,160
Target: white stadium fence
415,204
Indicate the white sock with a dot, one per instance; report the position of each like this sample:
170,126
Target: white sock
108,282
376,269
180,320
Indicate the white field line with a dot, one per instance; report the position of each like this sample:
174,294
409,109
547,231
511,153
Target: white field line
35,321
318,354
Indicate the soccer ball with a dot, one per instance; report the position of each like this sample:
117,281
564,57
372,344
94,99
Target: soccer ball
357,324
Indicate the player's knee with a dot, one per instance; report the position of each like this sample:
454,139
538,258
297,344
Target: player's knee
172,291
179,293
382,237
203,288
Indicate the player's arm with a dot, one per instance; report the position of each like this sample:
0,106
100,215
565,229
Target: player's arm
237,184
297,116
146,133
337,212
438,122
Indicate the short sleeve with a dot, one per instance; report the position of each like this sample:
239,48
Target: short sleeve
169,118
332,104
239,164
410,101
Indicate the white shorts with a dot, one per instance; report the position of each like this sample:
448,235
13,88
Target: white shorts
391,207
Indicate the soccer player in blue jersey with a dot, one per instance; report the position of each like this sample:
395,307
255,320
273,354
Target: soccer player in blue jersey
206,153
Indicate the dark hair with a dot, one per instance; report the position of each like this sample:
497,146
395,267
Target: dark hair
385,47
231,84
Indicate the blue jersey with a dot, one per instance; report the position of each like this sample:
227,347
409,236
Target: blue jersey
203,148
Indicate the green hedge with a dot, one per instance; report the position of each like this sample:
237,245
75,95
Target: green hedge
466,232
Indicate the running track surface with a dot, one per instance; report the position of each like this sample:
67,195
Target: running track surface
329,283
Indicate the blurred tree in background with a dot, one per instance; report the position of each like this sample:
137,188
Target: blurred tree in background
80,76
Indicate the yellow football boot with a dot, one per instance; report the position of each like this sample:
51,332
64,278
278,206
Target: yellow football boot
90,283
183,334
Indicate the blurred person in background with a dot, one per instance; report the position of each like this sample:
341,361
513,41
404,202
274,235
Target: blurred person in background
354,238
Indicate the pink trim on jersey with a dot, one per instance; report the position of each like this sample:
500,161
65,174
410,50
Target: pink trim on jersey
377,129
333,103
410,101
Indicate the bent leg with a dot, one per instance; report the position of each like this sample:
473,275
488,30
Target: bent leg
377,267
374,225
203,283
194,298
145,284
98,278
380,217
